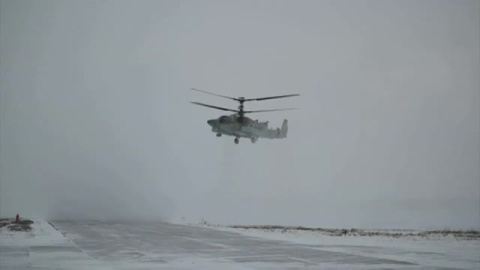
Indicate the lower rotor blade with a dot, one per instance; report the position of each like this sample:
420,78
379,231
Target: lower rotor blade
214,107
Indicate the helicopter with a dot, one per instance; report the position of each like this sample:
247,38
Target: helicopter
240,126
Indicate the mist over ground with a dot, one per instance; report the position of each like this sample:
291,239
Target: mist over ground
95,119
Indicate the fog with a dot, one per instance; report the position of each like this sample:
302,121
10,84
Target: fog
95,119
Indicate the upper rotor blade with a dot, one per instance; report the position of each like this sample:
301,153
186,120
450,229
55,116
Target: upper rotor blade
214,107
274,110
213,94
265,98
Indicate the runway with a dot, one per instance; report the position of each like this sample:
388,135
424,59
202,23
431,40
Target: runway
155,245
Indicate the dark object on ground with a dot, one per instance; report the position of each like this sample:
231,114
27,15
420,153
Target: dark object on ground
17,226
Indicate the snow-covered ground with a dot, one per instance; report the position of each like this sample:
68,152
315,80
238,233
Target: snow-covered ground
42,234
433,250
41,248
150,245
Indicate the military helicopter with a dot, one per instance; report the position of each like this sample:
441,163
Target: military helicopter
240,126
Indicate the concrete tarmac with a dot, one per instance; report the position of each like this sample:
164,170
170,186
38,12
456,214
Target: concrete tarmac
155,245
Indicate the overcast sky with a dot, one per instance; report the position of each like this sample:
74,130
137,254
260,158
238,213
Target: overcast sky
96,120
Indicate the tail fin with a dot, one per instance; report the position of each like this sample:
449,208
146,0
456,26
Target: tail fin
284,130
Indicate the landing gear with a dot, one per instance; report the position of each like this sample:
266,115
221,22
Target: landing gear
219,134
236,140
253,139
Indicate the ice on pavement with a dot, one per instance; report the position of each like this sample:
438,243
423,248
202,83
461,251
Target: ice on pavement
433,251
153,245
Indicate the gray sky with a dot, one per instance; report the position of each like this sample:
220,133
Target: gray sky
96,120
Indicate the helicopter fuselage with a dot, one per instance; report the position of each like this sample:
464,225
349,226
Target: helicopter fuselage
240,126
244,127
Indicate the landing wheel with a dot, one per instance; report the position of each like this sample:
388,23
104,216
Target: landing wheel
254,139
236,140
219,134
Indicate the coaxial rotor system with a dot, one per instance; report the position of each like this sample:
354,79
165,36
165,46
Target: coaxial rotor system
241,112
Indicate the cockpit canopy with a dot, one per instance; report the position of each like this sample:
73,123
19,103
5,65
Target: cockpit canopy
223,119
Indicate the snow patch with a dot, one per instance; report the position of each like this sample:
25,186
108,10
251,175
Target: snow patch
42,234
433,251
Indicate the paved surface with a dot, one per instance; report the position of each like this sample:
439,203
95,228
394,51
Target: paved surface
163,242
101,245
